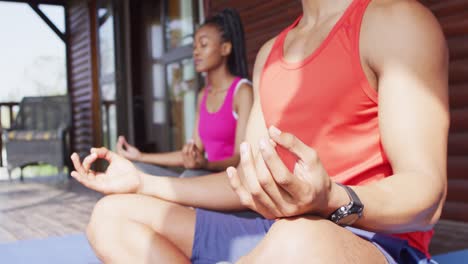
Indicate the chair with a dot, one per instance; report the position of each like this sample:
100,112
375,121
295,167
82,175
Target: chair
39,134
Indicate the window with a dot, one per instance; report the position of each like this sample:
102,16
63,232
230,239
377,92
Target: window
174,81
179,23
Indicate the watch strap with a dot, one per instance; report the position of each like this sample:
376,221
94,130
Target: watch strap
351,194
355,206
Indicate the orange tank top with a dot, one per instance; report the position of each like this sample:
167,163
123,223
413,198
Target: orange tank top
328,103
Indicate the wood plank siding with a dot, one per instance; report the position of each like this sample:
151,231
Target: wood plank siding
83,75
453,16
264,19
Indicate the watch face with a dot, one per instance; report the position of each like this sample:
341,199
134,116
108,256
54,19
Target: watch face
348,219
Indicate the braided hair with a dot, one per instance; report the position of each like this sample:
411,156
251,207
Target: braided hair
229,24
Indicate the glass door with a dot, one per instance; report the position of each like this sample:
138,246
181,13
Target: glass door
175,82
181,82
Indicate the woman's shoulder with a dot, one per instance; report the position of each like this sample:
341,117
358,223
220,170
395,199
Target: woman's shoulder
243,85
243,90
244,81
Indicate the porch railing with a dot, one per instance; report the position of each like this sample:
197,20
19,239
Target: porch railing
8,111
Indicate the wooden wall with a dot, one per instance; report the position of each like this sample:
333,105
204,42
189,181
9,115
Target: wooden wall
83,75
264,19
453,16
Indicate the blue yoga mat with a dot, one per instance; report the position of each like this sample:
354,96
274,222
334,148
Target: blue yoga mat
456,257
72,249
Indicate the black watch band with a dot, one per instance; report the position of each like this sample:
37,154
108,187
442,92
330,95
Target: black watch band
349,213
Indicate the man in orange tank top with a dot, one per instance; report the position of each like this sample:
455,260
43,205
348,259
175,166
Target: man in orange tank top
365,147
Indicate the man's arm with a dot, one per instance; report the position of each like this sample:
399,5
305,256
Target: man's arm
209,192
404,46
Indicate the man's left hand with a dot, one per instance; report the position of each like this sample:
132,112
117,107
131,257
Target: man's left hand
267,186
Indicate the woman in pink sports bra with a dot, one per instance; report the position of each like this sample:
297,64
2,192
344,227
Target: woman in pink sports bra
223,105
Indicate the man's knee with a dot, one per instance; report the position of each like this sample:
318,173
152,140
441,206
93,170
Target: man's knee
107,207
296,239
104,222
299,240
302,229
301,233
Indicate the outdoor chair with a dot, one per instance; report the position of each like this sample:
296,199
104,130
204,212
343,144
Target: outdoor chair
39,134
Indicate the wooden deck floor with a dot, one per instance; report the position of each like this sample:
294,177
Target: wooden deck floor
43,207
39,208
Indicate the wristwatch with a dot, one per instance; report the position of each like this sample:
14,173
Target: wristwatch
348,214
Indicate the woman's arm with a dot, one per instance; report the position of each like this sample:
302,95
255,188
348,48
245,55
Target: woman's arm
170,159
132,153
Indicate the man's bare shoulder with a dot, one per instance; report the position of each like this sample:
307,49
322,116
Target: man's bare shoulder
397,6
264,51
268,45
397,29
260,60
401,16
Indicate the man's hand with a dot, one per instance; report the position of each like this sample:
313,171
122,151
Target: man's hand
121,175
193,157
126,150
268,187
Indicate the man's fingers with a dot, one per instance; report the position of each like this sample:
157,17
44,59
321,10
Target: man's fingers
236,185
82,178
244,196
85,180
294,145
77,163
77,176
265,176
88,161
103,153
248,168
280,173
250,180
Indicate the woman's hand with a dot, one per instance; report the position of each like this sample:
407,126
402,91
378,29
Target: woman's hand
126,150
193,157
121,175
268,187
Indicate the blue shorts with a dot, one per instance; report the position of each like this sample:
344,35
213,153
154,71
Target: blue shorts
225,237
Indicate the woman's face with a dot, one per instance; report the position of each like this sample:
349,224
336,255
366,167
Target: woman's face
209,50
